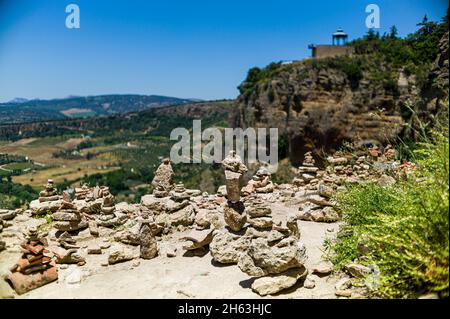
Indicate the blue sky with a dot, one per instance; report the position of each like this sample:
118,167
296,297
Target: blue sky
191,49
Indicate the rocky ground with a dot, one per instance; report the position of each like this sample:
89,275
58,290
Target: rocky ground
264,240
182,276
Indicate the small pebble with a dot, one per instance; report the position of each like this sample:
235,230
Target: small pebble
343,293
309,283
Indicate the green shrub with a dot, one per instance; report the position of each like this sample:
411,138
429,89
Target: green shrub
404,226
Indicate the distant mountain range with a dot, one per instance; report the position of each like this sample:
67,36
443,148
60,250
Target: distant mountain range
21,110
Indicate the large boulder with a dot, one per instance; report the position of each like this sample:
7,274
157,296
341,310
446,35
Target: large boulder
261,259
226,247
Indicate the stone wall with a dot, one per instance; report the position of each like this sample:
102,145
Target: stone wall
327,51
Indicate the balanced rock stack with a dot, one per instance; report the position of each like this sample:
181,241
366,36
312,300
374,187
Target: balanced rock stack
338,165
49,194
260,183
147,240
179,193
163,182
234,210
169,203
88,199
6,215
275,258
307,173
67,252
35,268
67,217
82,192
361,168
259,214
108,216
48,200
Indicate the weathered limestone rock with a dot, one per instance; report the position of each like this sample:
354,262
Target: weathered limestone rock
233,180
6,214
234,215
163,182
326,214
260,210
261,259
259,214
184,216
357,270
40,208
234,169
275,283
147,240
323,269
93,229
94,249
128,236
197,239
120,254
261,222
226,247
309,283
109,217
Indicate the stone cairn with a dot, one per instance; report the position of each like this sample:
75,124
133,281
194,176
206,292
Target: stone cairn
82,193
67,251
268,251
67,217
163,182
260,183
48,200
339,165
179,193
108,217
49,194
35,268
234,210
307,173
6,215
147,240
259,214
169,203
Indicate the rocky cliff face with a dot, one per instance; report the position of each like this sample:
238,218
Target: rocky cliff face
319,104
316,105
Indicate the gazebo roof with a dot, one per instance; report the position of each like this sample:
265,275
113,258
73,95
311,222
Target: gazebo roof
339,33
